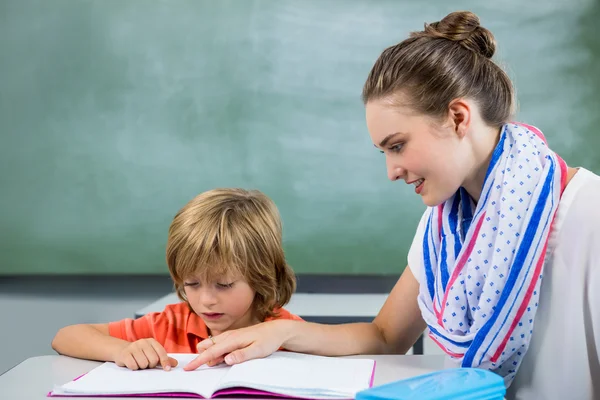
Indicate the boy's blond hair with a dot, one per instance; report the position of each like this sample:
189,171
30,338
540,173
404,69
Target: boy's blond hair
224,232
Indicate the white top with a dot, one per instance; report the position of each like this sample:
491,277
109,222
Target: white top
563,360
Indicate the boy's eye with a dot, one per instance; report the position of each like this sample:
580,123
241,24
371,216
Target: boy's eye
190,284
225,285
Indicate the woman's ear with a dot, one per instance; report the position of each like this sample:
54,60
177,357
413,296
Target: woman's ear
459,113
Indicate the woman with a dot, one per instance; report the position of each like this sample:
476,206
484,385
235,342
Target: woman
504,211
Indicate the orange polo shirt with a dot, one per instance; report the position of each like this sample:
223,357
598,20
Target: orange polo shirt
177,328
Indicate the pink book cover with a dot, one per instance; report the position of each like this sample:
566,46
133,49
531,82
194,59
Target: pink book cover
232,392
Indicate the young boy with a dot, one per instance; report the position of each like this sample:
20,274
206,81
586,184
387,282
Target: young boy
225,256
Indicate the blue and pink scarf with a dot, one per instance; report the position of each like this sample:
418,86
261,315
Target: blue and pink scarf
483,263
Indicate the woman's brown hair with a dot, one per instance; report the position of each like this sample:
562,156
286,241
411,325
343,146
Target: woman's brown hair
449,59
232,232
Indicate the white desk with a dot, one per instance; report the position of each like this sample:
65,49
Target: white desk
36,376
316,307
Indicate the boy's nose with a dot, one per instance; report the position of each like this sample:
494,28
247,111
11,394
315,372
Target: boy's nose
208,298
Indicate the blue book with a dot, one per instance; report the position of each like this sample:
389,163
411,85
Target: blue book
456,383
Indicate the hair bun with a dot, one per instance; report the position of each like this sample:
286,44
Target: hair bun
463,27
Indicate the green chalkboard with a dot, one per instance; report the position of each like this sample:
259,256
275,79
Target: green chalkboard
114,113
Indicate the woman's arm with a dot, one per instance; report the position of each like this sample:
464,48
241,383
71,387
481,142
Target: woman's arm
394,330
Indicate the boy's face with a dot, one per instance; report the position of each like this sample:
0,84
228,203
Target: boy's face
224,304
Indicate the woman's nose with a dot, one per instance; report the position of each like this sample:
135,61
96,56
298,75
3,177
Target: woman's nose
395,172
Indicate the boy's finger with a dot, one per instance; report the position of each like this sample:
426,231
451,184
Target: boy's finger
152,356
130,362
166,362
140,358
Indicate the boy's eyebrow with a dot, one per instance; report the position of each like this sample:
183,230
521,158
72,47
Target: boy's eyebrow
388,138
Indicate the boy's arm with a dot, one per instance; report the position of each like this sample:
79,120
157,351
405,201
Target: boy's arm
88,341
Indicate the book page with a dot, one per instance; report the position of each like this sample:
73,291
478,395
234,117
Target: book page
302,375
108,378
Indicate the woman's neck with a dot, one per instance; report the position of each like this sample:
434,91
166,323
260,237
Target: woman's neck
483,149
484,143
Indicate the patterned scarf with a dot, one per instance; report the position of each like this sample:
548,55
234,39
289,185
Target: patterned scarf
483,263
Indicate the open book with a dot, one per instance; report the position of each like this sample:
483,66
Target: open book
282,374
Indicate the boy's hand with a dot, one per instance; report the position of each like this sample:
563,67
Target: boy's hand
144,353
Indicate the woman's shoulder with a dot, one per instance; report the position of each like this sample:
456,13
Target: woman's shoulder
580,200
577,222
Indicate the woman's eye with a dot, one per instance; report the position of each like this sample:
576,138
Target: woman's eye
396,148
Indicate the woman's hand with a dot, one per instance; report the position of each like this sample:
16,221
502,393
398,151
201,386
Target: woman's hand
243,344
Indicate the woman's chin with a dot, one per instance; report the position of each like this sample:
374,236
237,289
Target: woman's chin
433,199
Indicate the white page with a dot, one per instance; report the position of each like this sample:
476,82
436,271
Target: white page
304,375
108,378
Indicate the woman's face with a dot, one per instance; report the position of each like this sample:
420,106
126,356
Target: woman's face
432,156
